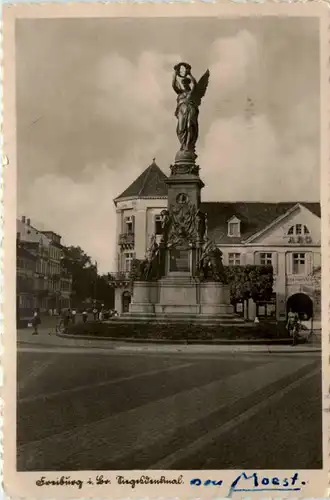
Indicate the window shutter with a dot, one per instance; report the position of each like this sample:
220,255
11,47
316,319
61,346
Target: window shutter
316,259
275,262
288,262
133,223
256,259
309,262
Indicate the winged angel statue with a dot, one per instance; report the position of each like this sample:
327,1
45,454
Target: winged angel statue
190,94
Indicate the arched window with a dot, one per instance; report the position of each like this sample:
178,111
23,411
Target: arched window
298,230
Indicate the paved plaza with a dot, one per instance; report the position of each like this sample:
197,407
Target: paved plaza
104,407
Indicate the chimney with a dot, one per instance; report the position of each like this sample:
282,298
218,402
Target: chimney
28,221
23,219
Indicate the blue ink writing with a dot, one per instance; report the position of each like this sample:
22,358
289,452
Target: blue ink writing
255,483
208,482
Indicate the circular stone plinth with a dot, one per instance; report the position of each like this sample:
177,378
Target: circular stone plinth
185,157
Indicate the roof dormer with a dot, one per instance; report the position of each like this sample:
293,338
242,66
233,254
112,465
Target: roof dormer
234,227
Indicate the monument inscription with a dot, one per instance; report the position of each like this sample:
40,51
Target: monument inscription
179,260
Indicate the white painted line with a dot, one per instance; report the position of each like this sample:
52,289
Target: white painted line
195,447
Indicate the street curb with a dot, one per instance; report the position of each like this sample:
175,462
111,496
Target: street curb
261,342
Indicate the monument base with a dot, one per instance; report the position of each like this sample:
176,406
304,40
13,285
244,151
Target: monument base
215,298
145,295
181,295
178,293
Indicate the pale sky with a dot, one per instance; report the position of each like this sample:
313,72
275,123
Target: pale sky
95,105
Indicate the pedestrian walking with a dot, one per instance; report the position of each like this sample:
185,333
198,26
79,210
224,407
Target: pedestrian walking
36,321
101,315
84,316
66,318
73,316
50,312
95,313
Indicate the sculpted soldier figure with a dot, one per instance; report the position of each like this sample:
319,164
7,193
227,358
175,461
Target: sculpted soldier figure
210,263
151,255
165,221
200,225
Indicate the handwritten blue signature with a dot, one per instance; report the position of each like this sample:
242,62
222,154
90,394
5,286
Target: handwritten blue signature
252,483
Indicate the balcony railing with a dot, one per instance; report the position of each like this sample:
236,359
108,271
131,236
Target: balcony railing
119,279
121,275
126,239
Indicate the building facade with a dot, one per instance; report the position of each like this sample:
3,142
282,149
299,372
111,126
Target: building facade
284,235
25,272
48,285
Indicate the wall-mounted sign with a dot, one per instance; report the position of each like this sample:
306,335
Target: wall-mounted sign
300,240
295,279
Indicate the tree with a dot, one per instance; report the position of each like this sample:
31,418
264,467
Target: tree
83,273
250,282
104,293
86,283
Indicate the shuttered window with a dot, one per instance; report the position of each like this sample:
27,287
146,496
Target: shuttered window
299,263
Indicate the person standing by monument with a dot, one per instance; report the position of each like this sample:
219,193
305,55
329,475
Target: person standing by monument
36,321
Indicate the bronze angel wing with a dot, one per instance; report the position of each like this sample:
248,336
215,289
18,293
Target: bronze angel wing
201,86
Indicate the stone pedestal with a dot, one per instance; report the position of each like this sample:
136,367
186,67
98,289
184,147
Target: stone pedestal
178,294
215,298
145,295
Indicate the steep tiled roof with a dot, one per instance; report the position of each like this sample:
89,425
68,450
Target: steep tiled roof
151,183
254,217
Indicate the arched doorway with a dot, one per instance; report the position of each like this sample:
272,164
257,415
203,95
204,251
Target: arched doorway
126,300
301,304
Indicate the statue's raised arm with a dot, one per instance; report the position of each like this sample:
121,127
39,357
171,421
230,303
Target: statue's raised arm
175,85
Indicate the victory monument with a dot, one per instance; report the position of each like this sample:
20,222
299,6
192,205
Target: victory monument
183,273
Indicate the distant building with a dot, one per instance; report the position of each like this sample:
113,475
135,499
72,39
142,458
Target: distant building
48,285
59,280
285,235
25,273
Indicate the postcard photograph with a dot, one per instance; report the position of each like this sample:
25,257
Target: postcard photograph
168,244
